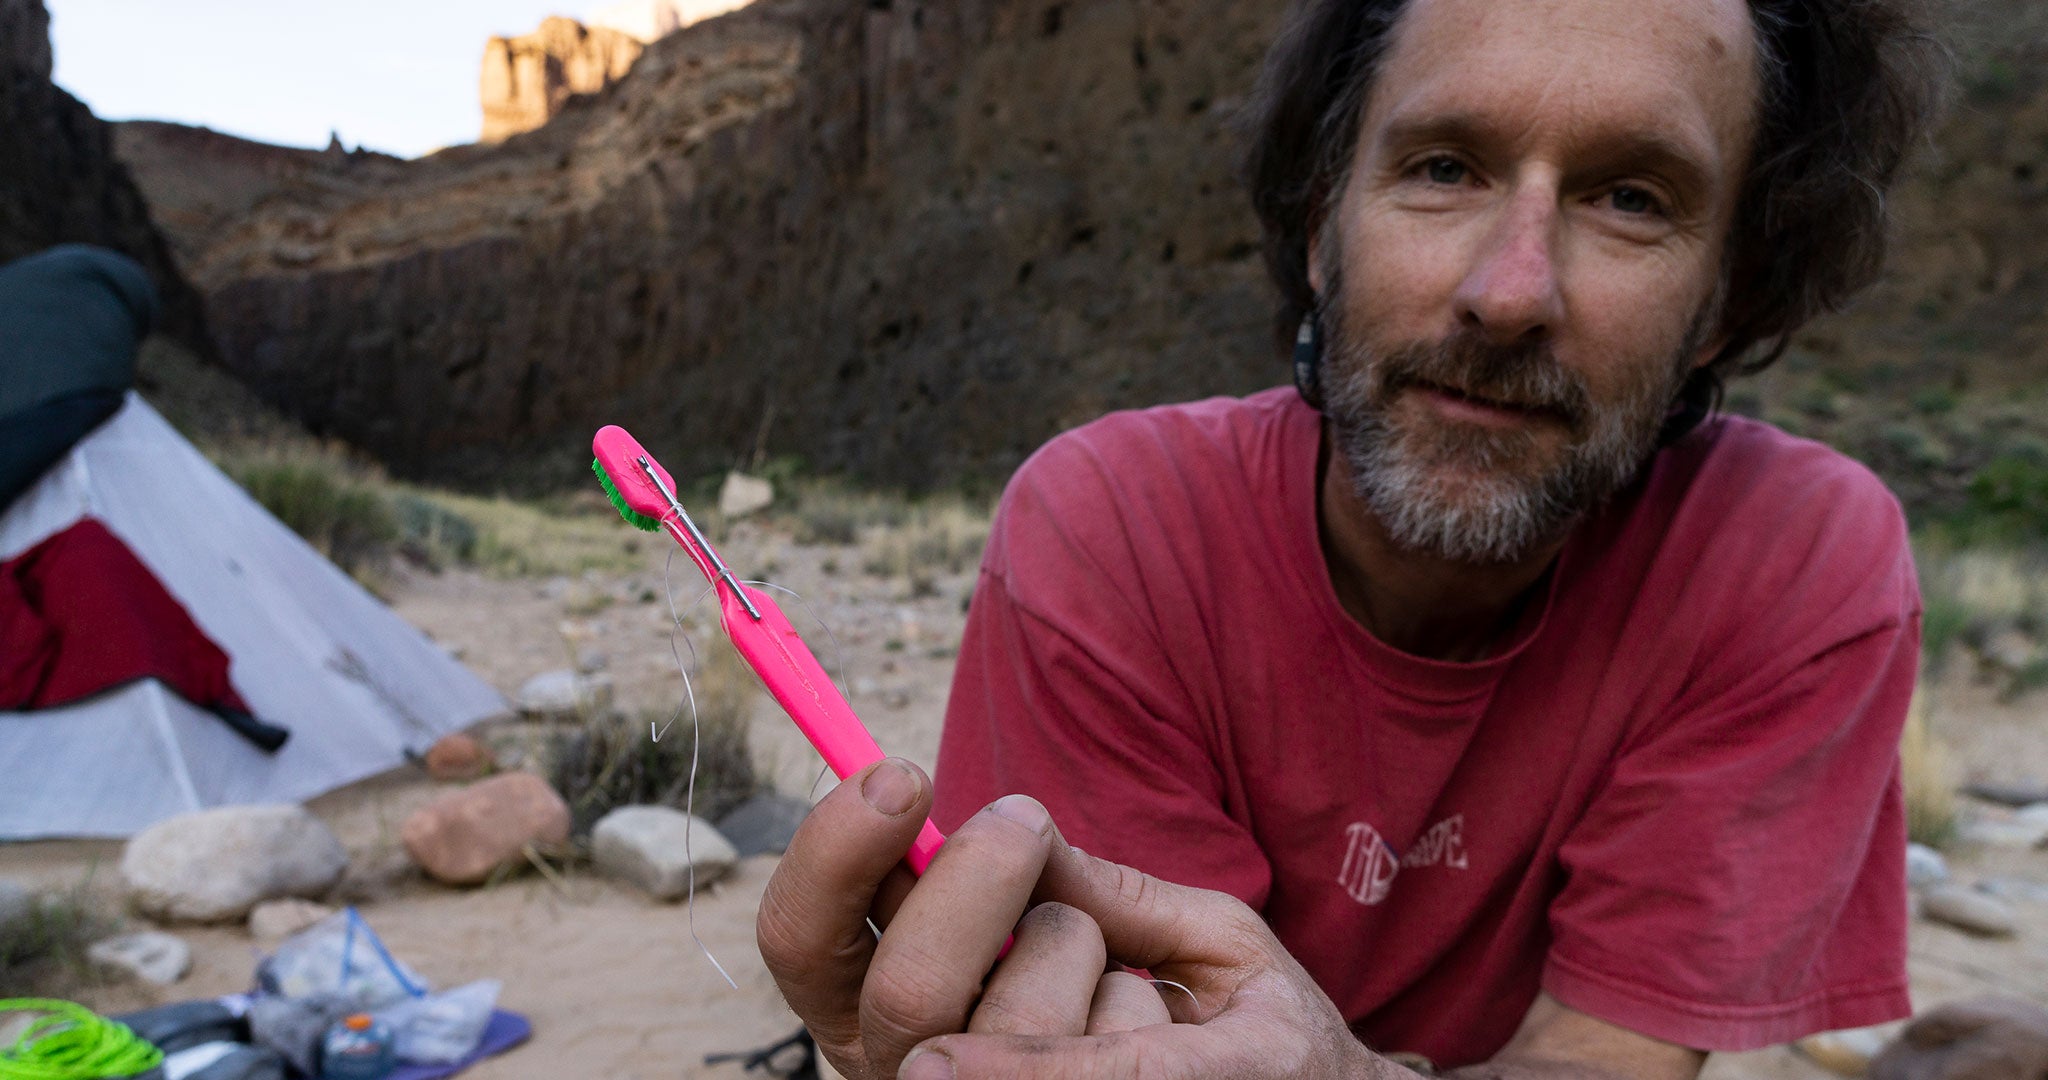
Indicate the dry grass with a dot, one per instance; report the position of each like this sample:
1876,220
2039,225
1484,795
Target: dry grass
942,535
42,954
615,761
1929,779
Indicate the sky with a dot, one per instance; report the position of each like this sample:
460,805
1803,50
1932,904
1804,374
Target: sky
393,75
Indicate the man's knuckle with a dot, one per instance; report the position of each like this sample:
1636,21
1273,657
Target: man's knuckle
898,1002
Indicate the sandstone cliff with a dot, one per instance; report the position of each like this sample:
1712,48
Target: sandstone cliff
528,79
59,180
652,20
919,238
922,237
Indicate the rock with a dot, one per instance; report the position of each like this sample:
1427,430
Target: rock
457,757
1968,909
592,661
2024,890
1924,866
151,956
764,824
652,20
15,903
741,495
528,79
464,836
1846,1053
2007,832
275,920
655,847
214,865
2013,795
2033,816
564,695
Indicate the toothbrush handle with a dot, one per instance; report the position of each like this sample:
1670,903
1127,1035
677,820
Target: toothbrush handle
799,684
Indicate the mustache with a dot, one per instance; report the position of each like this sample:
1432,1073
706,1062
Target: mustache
1525,376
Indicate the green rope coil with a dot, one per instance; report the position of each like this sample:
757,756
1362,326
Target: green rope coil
72,1042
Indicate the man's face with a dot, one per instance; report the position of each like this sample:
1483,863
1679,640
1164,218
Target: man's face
1523,264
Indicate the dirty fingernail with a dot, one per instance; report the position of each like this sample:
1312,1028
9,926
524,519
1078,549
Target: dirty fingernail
926,1065
890,788
1024,810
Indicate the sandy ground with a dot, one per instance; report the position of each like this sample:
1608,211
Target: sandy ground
613,982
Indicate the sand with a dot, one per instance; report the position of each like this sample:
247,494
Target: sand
613,982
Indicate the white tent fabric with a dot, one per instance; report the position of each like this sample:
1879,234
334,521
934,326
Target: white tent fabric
308,649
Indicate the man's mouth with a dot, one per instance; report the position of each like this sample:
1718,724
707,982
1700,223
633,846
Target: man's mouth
1462,404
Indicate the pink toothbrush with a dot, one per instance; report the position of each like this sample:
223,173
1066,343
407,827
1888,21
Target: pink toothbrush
644,494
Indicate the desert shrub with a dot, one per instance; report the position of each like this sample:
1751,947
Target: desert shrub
2007,501
943,534
43,951
828,512
432,533
616,761
335,505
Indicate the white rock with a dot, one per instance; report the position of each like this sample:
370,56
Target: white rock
2008,832
741,495
592,661
214,865
1848,1052
2033,815
565,694
275,920
151,956
1924,866
654,846
1968,909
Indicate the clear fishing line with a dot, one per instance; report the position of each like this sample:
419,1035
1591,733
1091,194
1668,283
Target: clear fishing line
678,630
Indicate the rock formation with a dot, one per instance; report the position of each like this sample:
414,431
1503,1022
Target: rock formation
652,20
528,79
911,240
59,180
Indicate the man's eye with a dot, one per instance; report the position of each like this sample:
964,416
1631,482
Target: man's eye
1634,200
1444,170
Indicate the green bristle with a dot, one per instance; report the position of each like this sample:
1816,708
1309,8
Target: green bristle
633,517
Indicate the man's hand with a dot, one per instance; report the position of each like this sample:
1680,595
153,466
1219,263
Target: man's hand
1049,1008
1982,1039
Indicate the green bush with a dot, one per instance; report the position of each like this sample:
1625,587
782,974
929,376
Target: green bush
2007,501
347,519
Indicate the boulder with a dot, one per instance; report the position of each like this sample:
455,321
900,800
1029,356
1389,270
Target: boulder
275,920
764,824
741,495
464,836
457,757
151,956
655,847
1969,910
214,865
564,695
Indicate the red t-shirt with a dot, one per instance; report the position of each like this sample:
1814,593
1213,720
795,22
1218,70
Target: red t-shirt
1673,802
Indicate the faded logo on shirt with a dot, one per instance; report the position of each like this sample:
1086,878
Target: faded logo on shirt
1371,864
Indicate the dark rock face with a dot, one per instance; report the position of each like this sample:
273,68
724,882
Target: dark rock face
909,240
59,181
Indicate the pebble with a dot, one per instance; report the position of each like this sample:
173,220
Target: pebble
1848,1052
2006,832
656,847
457,756
764,824
151,955
2025,793
1969,910
564,695
1924,866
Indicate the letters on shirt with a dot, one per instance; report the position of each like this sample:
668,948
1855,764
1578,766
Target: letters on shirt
1370,863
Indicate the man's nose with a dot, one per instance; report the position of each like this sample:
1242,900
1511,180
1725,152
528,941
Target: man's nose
1511,290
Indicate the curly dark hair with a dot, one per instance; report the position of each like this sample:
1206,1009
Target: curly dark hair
1847,88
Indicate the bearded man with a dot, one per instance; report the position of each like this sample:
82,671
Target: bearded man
1482,697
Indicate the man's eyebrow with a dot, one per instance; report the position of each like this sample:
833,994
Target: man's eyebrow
1647,149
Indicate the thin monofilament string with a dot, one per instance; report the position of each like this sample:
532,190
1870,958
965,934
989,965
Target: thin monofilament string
690,797
676,630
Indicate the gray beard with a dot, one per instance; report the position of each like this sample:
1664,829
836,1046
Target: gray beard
1507,501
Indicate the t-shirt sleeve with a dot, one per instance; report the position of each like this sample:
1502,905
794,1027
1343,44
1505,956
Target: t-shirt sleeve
1739,880
1066,690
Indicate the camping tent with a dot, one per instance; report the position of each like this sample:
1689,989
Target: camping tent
309,651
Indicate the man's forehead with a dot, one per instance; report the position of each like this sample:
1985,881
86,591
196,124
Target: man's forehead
1682,69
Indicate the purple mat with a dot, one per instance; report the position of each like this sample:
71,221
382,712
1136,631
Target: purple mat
505,1031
